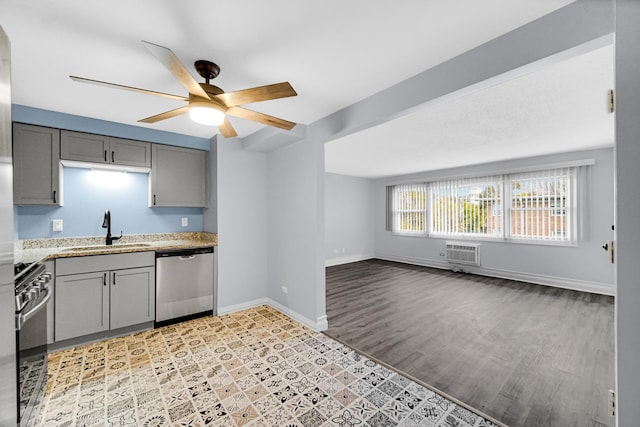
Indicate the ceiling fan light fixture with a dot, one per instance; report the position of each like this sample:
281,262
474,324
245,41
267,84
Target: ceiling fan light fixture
205,114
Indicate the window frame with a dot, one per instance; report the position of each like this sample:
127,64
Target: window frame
570,207
392,212
504,183
496,180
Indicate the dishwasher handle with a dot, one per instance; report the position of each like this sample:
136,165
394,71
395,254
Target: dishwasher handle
186,257
184,254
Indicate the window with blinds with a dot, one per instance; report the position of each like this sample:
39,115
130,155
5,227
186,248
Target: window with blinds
467,207
536,207
542,205
407,208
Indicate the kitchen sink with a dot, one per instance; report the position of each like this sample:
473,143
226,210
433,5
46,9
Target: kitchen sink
107,247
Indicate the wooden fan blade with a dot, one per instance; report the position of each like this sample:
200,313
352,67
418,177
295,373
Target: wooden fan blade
257,94
227,130
165,115
130,88
243,113
173,64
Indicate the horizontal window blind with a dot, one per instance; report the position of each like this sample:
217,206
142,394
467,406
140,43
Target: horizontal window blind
542,205
467,207
407,208
538,206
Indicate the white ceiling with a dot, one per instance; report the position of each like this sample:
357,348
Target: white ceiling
558,108
333,52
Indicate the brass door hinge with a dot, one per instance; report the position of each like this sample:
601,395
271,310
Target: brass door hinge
611,101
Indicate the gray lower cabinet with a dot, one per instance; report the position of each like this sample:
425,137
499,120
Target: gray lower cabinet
99,293
82,305
87,147
178,177
132,297
36,165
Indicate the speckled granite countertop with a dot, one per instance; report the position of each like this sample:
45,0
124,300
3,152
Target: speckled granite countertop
33,250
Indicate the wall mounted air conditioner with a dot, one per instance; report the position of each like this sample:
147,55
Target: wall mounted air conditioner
463,253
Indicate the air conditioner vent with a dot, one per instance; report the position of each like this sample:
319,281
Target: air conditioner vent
463,253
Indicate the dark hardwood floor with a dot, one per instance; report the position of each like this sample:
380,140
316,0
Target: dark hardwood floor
524,354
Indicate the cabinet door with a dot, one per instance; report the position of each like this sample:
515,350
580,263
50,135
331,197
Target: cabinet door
178,177
132,296
81,304
84,147
36,165
130,153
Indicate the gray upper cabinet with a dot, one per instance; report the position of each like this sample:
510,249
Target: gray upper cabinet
36,165
130,153
178,177
86,147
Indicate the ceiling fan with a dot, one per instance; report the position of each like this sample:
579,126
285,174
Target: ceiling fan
208,104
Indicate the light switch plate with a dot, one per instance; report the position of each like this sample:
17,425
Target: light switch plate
185,222
57,225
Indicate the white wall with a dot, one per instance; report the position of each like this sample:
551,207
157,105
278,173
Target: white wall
296,231
584,266
349,219
242,225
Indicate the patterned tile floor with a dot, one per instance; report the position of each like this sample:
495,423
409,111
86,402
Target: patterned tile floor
256,367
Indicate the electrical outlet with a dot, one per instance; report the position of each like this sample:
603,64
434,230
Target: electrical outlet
185,222
284,289
57,225
612,403
441,253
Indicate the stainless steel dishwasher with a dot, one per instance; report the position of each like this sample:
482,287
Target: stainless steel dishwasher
184,284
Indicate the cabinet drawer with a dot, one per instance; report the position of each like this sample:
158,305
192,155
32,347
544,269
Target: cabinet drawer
87,264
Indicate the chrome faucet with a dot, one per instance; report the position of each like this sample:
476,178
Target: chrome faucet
106,223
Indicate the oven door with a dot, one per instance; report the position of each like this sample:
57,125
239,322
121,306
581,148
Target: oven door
31,345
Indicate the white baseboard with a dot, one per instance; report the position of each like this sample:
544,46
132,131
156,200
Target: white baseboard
415,261
538,279
242,306
347,259
320,324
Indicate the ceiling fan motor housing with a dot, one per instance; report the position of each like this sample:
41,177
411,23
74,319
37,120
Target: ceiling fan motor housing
207,69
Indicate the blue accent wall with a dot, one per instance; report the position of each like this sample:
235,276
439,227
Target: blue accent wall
88,193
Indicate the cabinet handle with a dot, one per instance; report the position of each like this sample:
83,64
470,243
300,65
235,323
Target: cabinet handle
154,200
112,157
105,155
114,278
54,196
104,280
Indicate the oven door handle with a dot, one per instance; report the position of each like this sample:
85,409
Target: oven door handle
21,318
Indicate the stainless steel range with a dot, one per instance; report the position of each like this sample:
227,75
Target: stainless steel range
32,294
